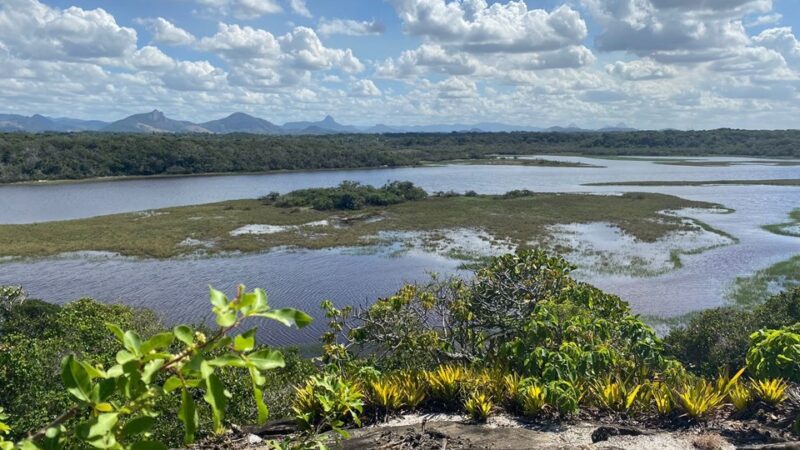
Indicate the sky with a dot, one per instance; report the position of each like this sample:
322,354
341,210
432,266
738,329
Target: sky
650,64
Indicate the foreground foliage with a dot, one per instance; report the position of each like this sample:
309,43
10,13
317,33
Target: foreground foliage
522,336
115,406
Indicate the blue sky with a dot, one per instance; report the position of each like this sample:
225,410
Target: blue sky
646,63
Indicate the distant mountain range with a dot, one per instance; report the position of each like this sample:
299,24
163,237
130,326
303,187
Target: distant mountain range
156,122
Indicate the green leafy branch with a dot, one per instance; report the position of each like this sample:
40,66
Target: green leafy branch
116,406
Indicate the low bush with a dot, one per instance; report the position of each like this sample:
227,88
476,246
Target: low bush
775,353
349,195
718,339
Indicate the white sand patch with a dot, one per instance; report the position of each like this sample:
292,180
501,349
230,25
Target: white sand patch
149,213
272,229
191,242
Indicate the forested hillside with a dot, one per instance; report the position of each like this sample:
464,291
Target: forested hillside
85,155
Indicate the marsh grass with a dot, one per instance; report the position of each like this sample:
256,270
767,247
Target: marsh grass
782,228
756,288
518,220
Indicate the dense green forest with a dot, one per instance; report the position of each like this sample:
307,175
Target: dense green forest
53,156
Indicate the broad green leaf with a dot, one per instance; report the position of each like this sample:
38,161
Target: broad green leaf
188,415
124,357
261,303
258,394
104,389
184,334
104,407
93,371
133,343
150,369
25,445
172,384
228,360
116,370
245,342
98,431
76,379
160,341
288,317
226,318
148,445
218,299
215,397
263,411
266,359
51,439
118,333
138,425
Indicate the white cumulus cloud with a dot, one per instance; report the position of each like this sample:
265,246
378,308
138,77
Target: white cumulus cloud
349,27
165,32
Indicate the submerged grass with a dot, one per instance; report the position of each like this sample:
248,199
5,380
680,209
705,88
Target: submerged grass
788,228
206,229
757,288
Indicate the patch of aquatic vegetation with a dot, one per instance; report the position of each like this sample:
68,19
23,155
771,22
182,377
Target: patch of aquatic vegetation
756,288
463,244
789,228
272,229
603,248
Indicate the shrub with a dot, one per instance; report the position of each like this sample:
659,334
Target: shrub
445,383
698,398
772,391
775,353
386,395
740,396
717,339
662,398
479,406
563,396
328,401
712,340
532,399
615,394
349,195
779,310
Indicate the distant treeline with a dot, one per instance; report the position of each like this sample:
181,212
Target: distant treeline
52,156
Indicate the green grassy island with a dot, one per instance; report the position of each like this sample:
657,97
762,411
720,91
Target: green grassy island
310,219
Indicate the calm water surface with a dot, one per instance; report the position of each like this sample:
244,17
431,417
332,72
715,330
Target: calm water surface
176,288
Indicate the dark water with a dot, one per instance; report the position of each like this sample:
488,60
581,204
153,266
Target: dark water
177,288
